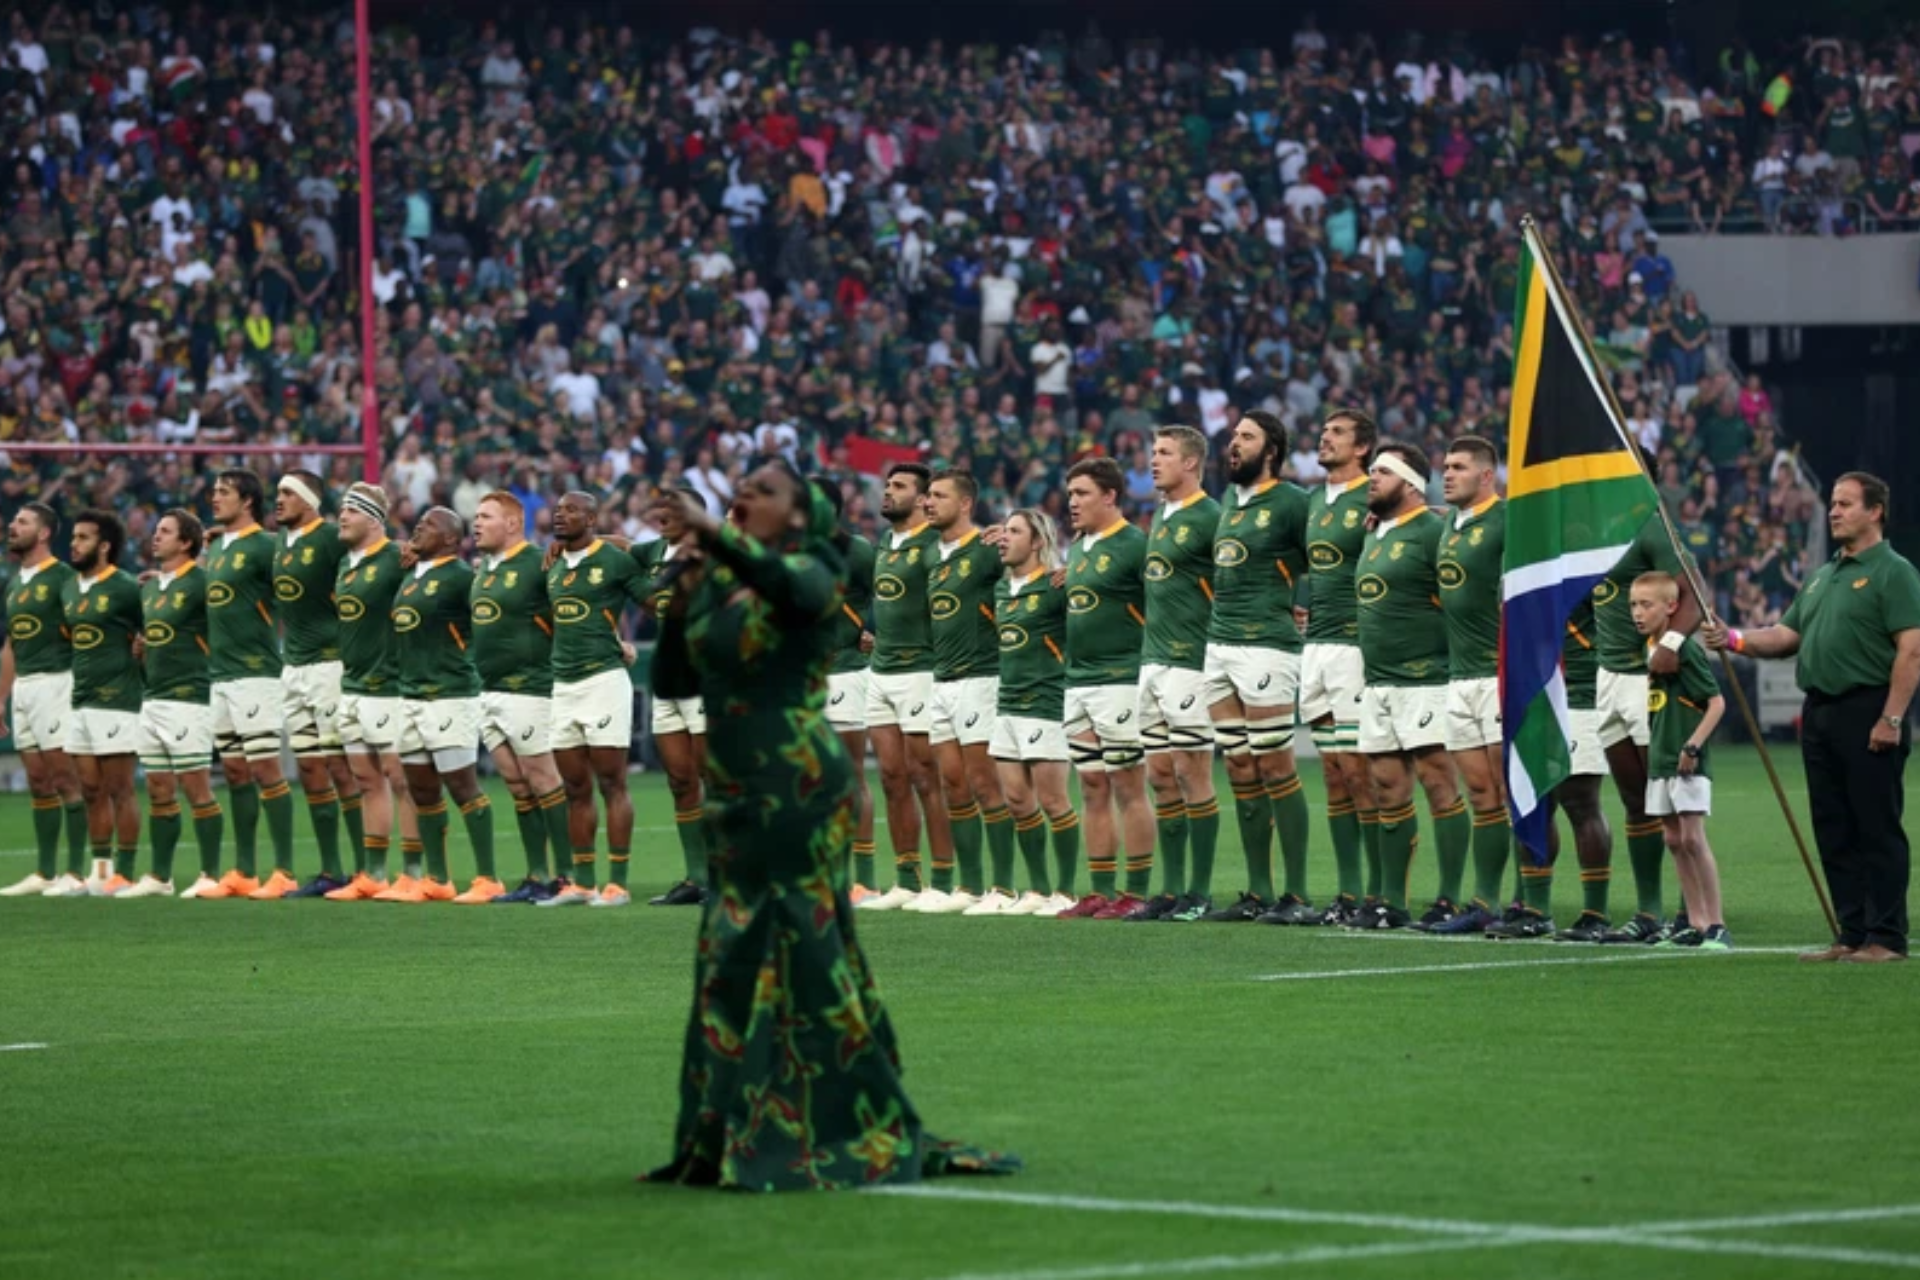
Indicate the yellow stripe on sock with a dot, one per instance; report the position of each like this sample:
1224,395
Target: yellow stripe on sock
476,804
619,857
1206,809
1402,814
1453,810
412,846
1596,877
1067,823
684,816
1248,791
908,859
964,813
1340,810
1027,823
1536,873
523,806
349,803
323,797
1489,817
211,811
1281,788
437,809
377,843
583,859
1369,817
163,811
276,791
552,800
51,802
991,816
1649,828
863,847
1169,812
1140,864
1102,864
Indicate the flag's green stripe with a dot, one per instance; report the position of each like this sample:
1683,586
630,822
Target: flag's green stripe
1576,517
1542,747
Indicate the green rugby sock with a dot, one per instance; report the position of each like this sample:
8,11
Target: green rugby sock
1594,888
377,857
1343,828
553,809
208,824
1170,825
1370,850
864,865
1399,842
967,835
163,826
1066,850
1031,832
1453,837
276,802
618,860
1103,874
413,858
1646,851
533,837
324,808
999,826
355,819
1255,814
124,861
1140,874
1292,823
76,814
433,839
1492,839
906,869
477,814
1203,832
691,826
244,800
1536,889
585,870
46,836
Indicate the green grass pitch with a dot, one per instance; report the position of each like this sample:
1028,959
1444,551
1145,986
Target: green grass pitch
257,1090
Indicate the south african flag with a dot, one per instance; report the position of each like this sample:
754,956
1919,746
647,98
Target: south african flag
1577,493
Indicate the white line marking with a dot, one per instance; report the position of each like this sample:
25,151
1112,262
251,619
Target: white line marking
1246,1262
1323,974
1758,1249
1189,1209
20,1048
1811,1217
1504,944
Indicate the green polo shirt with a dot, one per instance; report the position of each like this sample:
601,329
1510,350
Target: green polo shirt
1850,617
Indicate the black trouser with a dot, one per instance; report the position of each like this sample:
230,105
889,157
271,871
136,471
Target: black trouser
1857,797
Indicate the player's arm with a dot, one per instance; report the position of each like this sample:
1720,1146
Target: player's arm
6,679
1778,641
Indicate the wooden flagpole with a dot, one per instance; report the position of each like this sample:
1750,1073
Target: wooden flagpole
1694,582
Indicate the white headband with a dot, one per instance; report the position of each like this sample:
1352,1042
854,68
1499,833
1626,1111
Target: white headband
301,490
1394,464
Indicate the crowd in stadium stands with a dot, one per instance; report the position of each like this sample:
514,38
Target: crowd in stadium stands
614,264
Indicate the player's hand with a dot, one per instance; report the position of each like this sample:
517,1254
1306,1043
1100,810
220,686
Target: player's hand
994,535
552,554
1058,578
1300,617
1688,765
628,654
1884,737
866,642
408,556
1662,661
1713,634
680,514
139,648
146,576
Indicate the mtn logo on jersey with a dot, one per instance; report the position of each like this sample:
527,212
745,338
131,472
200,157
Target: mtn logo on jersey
1159,568
1324,556
24,627
1013,637
485,611
351,608
889,588
1082,600
288,590
1230,553
569,610
1452,575
943,606
159,633
1371,588
219,595
406,618
88,636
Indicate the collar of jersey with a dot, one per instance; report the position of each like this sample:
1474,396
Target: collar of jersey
509,554
948,548
1169,508
94,582
360,557
895,537
28,572
305,529
1249,493
1461,519
1041,572
168,579
1385,527
1119,523
583,553
1341,490
424,567
242,531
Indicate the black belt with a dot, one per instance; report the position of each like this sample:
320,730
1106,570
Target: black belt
1858,691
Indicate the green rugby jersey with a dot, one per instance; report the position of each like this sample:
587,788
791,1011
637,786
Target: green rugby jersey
1622,648
240,606
1032,617
1470,565
1403,634
175,609
103,617
1336,539
653,558
1106,574
902,625
590,589
1676,704
37,619
363,598
960,603
512,624
1579,662
433,629
856,609
304,574
1259,558
1179,582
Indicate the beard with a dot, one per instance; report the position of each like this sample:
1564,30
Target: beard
1246,472
1384,506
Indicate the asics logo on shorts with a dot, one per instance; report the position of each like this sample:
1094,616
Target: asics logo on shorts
917,708
973,720
836,699
1124,717
446,724
253,711
114,732
1186,703
526,734
1265,681
604,722
180,736
381,723
1034,736
1426,719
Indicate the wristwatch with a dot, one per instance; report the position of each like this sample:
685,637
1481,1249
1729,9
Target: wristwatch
1896,722
1690,751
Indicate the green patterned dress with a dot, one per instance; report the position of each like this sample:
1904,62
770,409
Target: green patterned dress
791,1078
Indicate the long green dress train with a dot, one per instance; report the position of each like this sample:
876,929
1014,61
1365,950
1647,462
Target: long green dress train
791,1077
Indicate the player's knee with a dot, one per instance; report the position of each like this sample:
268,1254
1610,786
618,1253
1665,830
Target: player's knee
1232,737
1087,759
1270,737
1124,760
